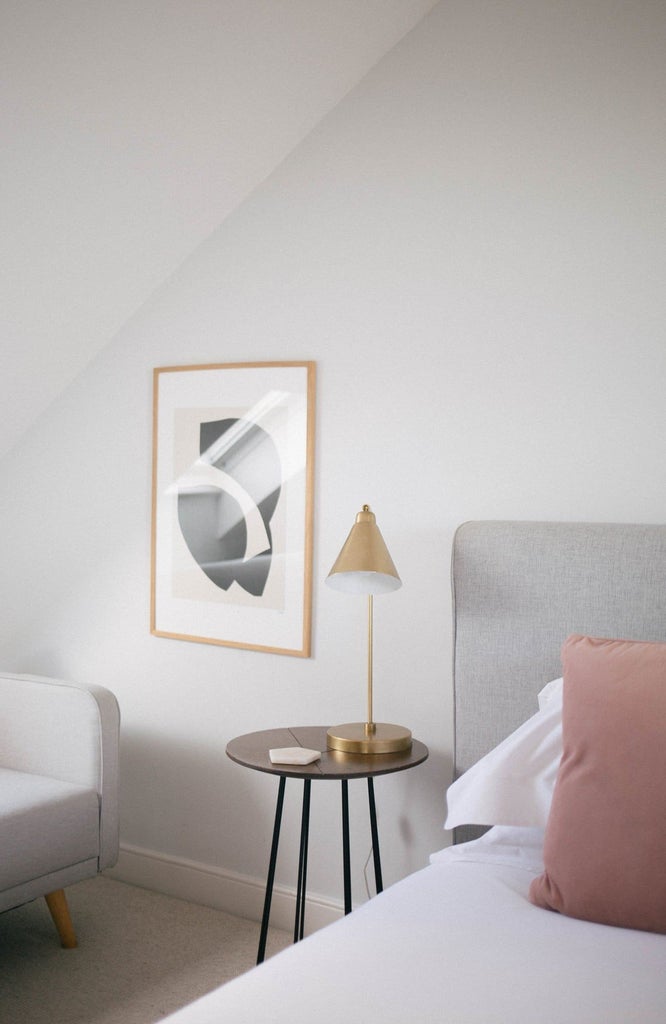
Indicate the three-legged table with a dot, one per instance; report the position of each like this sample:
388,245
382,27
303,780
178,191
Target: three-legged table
252,750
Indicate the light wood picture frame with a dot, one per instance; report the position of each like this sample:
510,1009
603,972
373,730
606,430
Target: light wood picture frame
232,505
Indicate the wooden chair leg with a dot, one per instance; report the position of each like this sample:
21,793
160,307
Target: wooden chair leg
57,904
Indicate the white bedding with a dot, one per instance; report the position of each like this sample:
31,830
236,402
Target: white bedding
455,943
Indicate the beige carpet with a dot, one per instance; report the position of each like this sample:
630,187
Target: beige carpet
141,955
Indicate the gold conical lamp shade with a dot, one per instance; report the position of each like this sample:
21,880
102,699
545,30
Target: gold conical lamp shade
364,565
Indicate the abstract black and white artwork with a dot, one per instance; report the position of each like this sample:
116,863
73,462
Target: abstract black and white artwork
232,505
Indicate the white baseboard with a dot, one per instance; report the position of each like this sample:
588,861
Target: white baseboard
215,887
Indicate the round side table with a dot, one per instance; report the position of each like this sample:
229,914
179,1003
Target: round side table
252,751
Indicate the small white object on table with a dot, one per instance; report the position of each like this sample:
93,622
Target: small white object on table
293,755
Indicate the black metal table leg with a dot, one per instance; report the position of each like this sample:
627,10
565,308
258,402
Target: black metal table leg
271,871
379,885
299,921
346,854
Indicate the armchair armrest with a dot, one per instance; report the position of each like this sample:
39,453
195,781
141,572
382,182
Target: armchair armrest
68,731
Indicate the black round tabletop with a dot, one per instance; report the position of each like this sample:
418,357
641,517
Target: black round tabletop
252,751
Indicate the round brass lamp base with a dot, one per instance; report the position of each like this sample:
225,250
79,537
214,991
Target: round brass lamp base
361,738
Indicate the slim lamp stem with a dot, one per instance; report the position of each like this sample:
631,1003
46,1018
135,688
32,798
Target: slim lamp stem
370,724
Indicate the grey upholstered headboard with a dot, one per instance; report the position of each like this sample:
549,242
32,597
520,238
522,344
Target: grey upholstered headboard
519,589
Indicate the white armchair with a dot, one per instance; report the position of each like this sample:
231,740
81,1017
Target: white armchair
58,790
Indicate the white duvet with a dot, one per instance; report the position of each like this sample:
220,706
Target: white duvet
455,943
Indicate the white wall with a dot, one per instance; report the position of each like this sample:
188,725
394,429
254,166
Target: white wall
129,132
470,246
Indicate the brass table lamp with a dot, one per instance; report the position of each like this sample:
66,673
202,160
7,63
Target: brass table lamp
364,566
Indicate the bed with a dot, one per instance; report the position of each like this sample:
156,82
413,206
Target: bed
472,937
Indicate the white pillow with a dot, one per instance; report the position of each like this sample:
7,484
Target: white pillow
513,784
550,691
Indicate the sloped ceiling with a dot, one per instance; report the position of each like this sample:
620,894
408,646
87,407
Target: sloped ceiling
130,130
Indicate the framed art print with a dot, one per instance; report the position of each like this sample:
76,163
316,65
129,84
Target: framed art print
233,450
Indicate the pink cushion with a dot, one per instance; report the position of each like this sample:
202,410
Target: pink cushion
605,844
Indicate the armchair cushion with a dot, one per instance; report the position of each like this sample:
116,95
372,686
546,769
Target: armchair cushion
47,825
